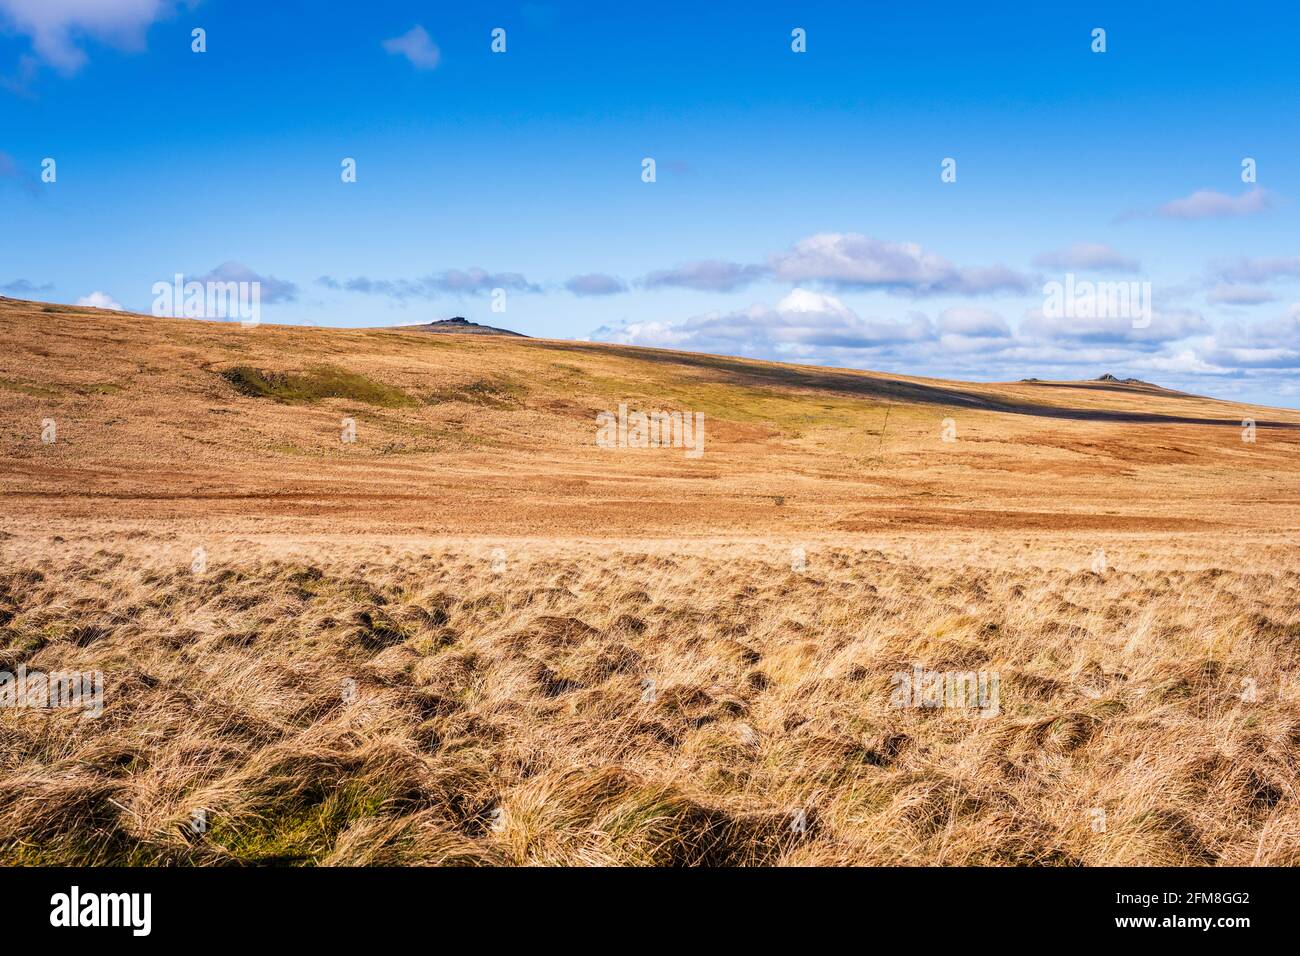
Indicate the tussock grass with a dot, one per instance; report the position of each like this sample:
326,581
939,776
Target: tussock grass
504,718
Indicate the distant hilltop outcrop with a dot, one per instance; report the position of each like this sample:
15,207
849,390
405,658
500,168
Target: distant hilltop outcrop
460,325
1108,378
1123,381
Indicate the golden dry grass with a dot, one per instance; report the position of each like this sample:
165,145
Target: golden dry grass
472,637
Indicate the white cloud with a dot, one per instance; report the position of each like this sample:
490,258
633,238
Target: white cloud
804,324
973,323
1257,270
1179,349
451,281
1095,256
1253,358
271,288
596,283
1226,293
855,261
708,275
1282,331
57,27
844,261
1165,326
1181,362
417,46
1208,204
99,300
812,326
966,330
804,302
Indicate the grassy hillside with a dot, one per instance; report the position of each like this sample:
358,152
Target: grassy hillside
481,435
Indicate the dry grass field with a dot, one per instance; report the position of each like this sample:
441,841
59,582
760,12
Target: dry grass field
472,636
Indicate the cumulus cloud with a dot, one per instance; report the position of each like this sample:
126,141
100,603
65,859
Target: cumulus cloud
1271,344
802,324
855,261
57,28
968,329
1208,204
1087,256
1281,330
1178,348
417,46
596,283
1236,359
844,262
814,319
708,275
272,289
976,323
1165,326
99,300
807,325
450,281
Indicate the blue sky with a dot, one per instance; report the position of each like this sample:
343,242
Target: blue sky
798,210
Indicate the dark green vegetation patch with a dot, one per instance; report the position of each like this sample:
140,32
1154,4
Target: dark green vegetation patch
314,384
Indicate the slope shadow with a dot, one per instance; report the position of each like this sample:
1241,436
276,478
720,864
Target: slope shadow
1145,388
743,372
